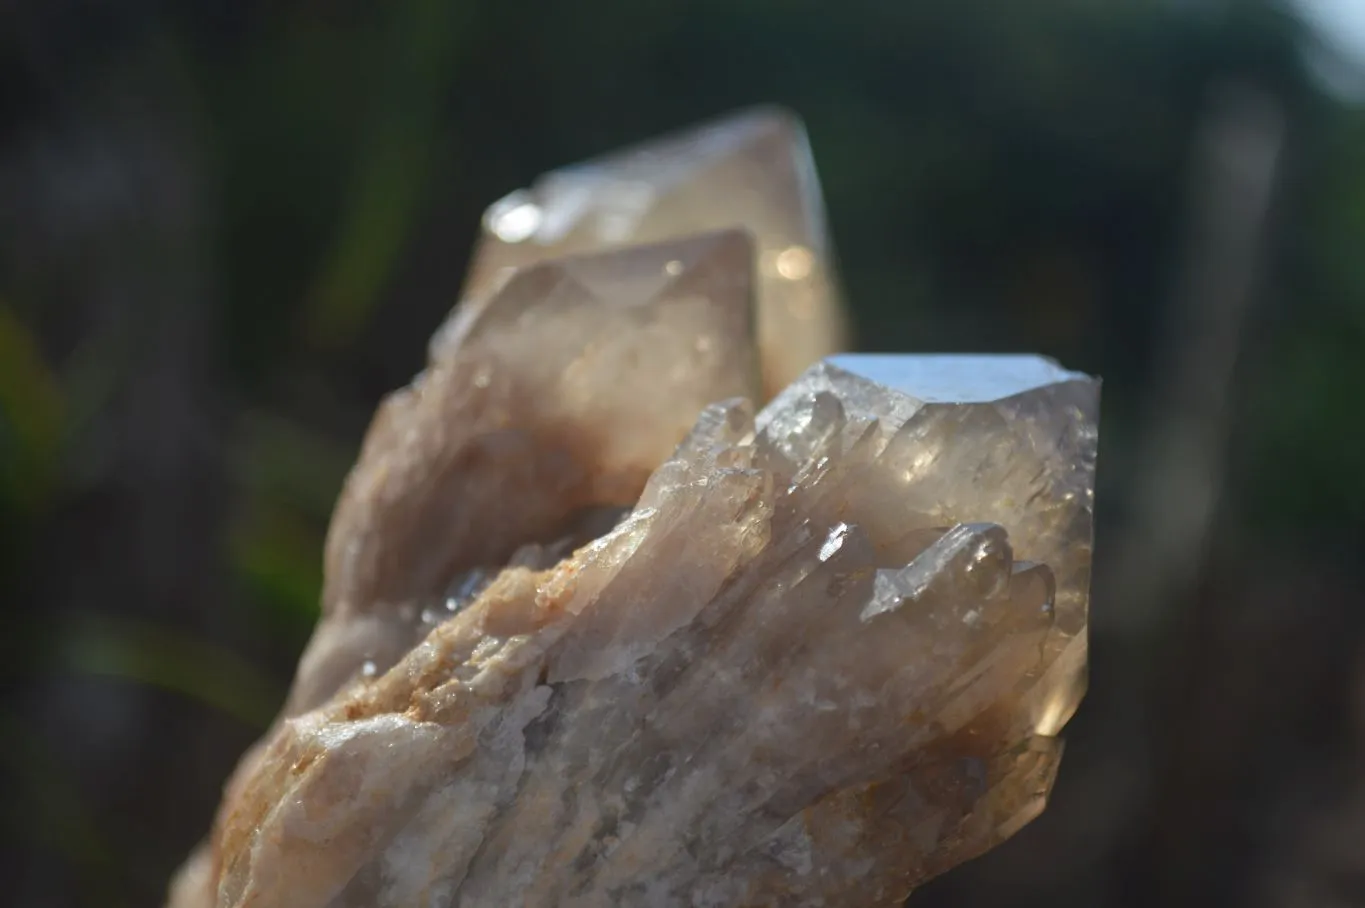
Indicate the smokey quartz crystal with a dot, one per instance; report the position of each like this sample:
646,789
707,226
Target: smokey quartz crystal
601,628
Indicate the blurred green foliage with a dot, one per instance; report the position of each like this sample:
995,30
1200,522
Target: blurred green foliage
31,418
204,671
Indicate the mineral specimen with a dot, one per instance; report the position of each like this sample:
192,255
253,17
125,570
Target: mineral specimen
595,633
810,667
753,169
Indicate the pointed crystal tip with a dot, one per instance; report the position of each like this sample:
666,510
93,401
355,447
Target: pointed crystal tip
751,170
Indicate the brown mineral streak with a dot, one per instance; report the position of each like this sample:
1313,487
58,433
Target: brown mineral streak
824,656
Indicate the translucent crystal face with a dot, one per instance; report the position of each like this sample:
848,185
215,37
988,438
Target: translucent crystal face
752,170
1008,440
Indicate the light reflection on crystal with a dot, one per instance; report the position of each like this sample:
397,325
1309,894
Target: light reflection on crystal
795,263
1054,715
514,218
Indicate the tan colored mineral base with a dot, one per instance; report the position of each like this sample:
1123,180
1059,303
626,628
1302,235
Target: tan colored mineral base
752,169
823,658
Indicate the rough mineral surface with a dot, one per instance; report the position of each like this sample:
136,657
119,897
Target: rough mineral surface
752,170
823,657
525,435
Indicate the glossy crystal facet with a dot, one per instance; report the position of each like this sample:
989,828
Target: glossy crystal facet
752,170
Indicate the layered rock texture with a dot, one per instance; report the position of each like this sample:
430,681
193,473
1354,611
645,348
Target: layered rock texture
598,631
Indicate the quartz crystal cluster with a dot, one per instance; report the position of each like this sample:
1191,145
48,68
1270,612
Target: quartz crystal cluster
598,630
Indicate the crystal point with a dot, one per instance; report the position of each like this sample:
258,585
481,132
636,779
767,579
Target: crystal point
751,170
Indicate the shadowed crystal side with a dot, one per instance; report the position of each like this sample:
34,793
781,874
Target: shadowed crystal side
752,170
815,665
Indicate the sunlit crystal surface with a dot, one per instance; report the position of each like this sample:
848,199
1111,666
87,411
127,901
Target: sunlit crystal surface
955,379
823,658
752,170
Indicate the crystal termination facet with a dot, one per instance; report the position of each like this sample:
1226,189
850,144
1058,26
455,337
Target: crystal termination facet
752,170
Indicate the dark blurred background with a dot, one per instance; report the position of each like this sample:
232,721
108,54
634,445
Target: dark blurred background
227,227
